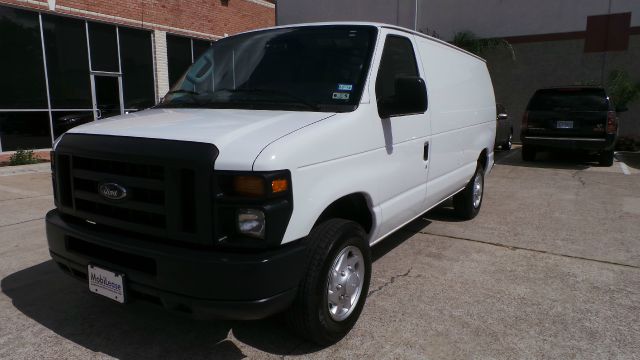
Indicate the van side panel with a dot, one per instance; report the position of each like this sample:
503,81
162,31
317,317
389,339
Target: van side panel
462,113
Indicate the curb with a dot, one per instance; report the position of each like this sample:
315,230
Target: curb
25,169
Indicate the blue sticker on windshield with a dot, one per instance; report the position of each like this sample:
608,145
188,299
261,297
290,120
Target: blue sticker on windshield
345,87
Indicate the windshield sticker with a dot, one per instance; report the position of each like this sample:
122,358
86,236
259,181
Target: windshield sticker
340,96
345,87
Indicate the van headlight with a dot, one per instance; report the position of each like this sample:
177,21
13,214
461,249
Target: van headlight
251,222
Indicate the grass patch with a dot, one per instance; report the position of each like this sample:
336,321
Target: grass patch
23,157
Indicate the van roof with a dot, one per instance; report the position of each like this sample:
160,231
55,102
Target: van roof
375,24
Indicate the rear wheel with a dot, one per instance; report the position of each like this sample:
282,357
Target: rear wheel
467,202
606,158
333,291
528,153
509,143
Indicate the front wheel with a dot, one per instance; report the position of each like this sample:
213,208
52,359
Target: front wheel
334,288
467,202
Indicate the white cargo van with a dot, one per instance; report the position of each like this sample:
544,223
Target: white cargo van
263,177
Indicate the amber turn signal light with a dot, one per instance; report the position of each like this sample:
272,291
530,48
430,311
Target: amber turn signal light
279,185
248,185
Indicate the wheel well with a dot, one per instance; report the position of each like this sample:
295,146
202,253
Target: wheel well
482,159
352,207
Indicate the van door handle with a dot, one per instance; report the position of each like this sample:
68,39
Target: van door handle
425,155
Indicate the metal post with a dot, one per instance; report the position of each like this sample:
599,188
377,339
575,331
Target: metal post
46,79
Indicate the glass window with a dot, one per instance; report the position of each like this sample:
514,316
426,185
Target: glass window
199,47
107,96
64,121
24,130
178,56
67,62
104,47
315,68
21,66
398,60
137,68
570,99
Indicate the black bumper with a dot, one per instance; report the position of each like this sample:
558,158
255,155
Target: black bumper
204,282
592,144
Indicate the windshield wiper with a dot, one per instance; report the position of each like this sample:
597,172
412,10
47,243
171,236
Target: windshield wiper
280,93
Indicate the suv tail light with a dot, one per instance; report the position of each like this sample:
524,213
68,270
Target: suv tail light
612,122
525,119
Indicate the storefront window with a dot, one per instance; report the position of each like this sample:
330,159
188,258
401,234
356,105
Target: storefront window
24,130
21,65
137,68
67,62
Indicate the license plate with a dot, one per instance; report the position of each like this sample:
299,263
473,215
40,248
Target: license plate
106,283
564,124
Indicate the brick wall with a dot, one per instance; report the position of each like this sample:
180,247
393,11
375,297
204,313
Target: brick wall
206,19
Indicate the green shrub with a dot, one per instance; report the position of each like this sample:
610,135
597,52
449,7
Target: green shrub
622,89
23,157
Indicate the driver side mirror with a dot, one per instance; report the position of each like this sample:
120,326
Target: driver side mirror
410,98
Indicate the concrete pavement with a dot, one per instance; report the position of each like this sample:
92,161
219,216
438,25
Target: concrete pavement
549,269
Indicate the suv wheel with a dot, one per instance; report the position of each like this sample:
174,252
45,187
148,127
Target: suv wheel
334,288
467,202
606,158
528,153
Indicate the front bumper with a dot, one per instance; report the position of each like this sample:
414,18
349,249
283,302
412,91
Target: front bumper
205,282
593,144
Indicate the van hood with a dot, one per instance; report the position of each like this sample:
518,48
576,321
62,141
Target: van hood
239,135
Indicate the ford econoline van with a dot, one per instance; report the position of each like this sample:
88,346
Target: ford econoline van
262,179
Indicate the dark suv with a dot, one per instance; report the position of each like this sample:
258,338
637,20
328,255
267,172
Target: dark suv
575,118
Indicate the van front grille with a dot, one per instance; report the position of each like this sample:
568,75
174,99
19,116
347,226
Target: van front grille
166,196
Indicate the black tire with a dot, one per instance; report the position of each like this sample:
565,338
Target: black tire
309,316
606,158
509,143
528,153
463,202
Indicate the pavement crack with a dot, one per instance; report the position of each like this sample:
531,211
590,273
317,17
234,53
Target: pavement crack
576,175
511,247
20,222
389,282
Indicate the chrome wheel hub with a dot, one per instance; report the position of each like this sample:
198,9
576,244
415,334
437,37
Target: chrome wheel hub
346,278
477,190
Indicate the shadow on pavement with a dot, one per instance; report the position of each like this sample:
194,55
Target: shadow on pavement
566,160
143,331
632,159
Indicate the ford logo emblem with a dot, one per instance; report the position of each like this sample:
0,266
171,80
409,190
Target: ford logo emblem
112,191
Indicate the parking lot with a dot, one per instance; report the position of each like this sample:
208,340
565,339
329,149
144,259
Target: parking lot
549,269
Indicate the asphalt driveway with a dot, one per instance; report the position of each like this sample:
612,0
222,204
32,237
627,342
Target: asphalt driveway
549,269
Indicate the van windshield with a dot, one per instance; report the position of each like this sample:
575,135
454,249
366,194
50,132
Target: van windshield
315,68
570,99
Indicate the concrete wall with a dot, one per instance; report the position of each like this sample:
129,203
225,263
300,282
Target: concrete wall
487,18
559,63
397,12
500,18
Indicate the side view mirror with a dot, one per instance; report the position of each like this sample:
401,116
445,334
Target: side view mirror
410,98
503,116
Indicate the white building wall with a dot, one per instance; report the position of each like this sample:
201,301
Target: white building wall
161,64
487,18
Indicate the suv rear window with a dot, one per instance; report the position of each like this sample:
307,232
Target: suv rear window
569,99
